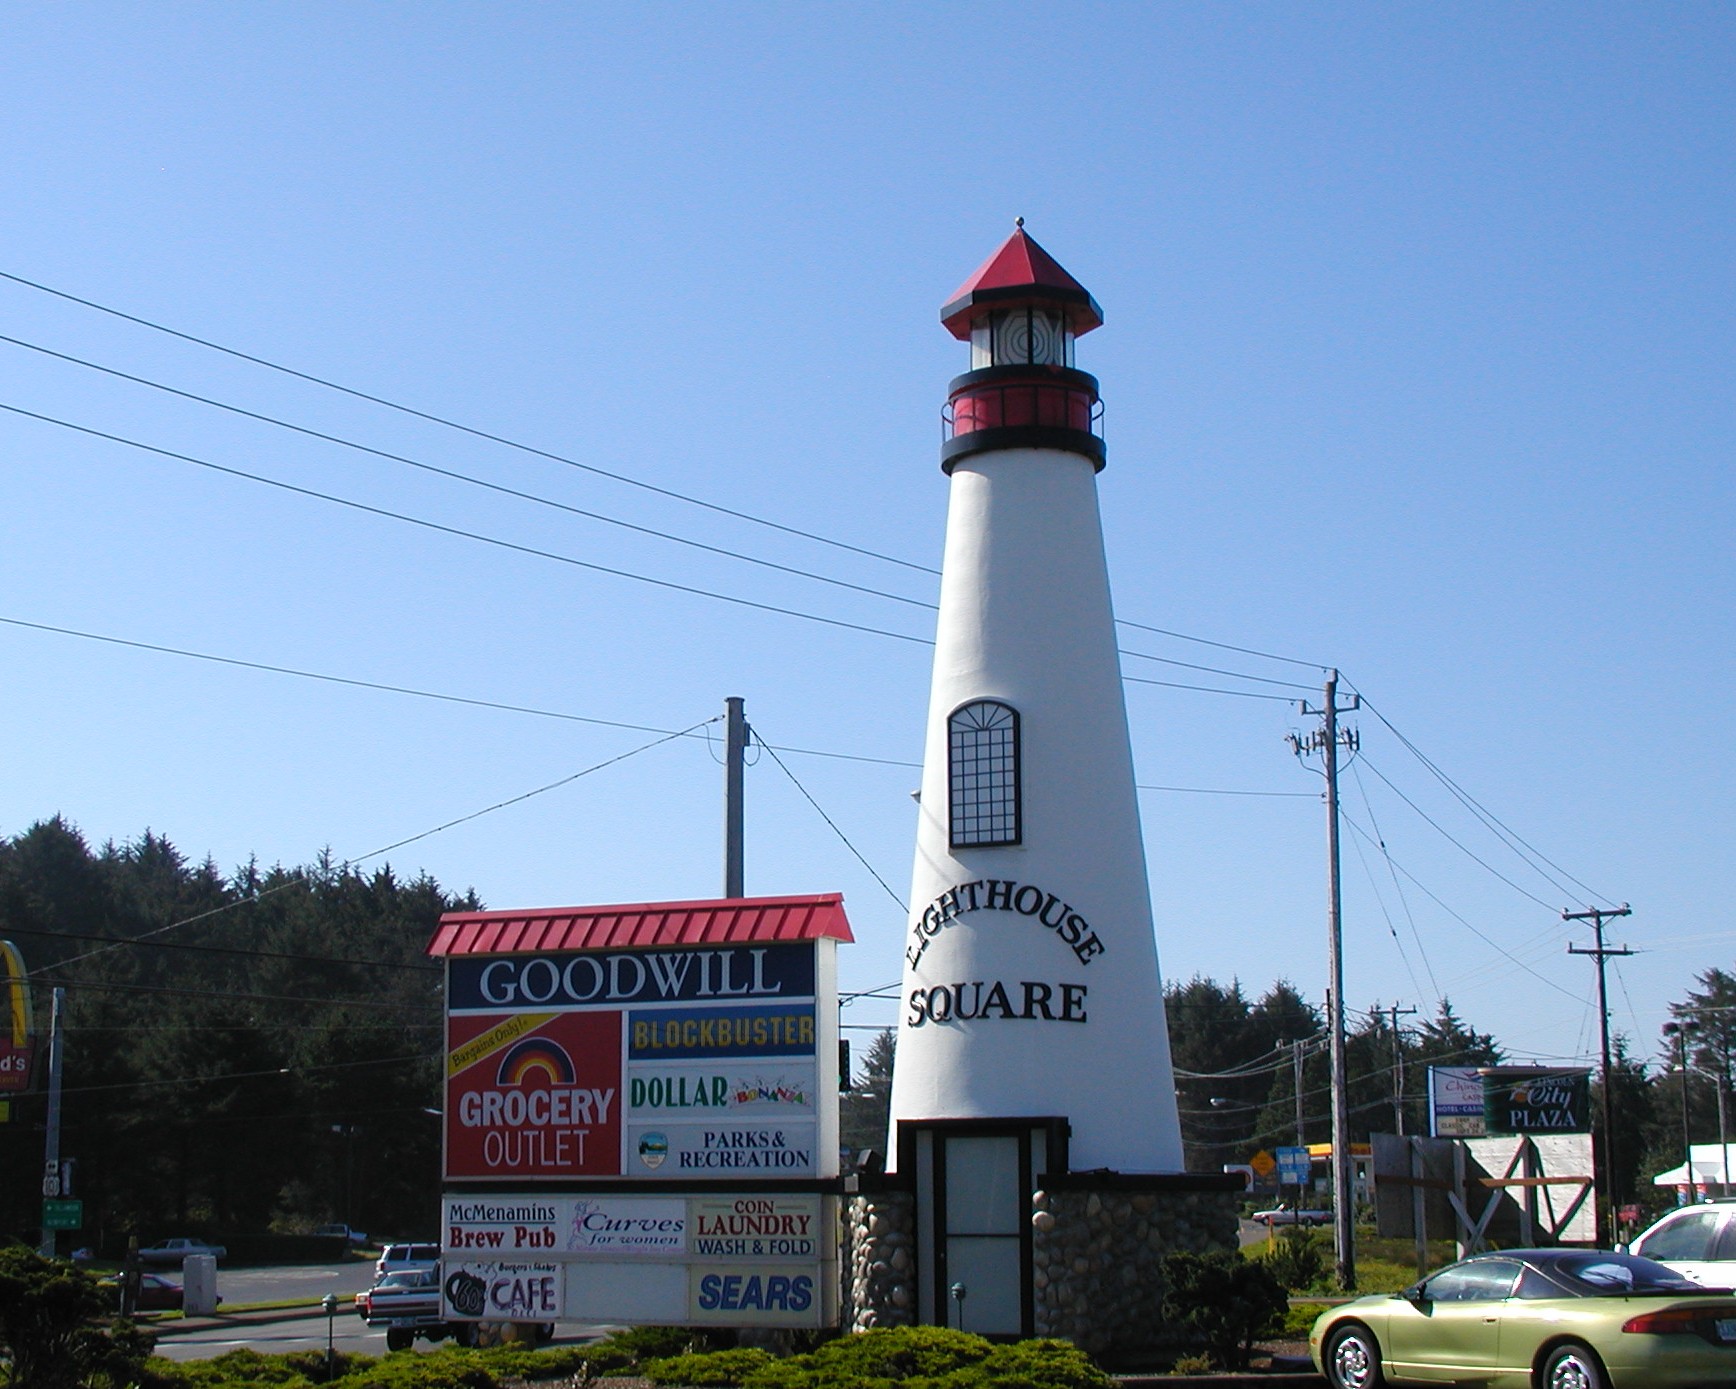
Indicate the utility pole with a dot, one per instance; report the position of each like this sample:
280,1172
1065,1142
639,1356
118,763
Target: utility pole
1394,1012
51,1140
1296,1066
735,738
1597,916
1326,740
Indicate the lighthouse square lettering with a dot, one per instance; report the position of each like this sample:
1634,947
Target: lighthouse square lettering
1002,895
615,978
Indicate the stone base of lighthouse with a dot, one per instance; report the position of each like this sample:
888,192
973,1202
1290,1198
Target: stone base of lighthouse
1089,1256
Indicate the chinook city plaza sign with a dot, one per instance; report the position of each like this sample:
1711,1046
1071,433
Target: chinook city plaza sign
646,1085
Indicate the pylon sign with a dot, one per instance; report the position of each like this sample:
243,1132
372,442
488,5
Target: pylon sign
17,1033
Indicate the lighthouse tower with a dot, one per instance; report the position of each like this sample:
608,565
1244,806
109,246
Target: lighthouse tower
1031,985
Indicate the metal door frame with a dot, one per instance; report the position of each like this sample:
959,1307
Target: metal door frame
1051,1134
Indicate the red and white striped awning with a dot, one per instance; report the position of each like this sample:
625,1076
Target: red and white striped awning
645,925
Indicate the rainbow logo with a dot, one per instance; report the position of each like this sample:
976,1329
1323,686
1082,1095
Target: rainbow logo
535,1054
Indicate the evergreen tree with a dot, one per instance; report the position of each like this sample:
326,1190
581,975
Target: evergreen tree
865,1111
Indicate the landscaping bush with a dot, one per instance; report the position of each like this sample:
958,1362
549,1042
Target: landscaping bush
1298,1258
708,1368
876,1359
928,1357
1222,1303
51,1328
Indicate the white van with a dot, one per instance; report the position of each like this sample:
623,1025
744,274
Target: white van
395,1257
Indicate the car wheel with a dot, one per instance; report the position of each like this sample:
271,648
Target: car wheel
1573,1366
398,1340
1352,1359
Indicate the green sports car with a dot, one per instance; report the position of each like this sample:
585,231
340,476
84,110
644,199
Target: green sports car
1535,1319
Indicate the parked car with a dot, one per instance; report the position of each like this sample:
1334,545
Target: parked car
175,1251
402,1255
342,1232
1699,1242
156,1293
407,1305
1535,1319
1286,1214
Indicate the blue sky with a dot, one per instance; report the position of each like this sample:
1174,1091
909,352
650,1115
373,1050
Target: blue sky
1417,361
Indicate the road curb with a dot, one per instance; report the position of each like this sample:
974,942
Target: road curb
297,1312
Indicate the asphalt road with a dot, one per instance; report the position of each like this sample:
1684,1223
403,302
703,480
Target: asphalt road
300,1328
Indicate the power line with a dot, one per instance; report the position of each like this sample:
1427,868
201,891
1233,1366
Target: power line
464,428
1224,791
1397,886
459,532
397,844
844,838
501,706
57,975
1457,844
1492,944
225,950
623,478
1493,823
472,481
540,500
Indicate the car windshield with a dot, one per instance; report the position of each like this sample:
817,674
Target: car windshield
406,1278
1623,1275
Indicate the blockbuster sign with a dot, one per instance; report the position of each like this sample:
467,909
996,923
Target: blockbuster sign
643,1135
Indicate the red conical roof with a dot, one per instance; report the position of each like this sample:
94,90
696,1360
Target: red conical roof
1020,272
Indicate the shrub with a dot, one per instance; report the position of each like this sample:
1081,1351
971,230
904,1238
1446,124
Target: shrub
642,1343
1300,1319
708,1368
1222,1303
876,1359
1037,1364
1298,1258
49,1325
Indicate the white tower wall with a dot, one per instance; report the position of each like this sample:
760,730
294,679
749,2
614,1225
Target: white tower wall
1025,618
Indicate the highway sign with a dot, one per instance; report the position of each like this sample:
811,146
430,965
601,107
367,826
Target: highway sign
63,1215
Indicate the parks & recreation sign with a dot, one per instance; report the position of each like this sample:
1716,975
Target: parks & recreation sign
597,1055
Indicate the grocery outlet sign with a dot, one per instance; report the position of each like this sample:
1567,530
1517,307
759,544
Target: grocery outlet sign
715,1086
655,1088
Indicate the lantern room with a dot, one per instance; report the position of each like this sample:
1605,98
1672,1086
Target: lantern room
1021,313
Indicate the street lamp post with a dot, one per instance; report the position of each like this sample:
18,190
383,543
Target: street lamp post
1681,1031
1723,1134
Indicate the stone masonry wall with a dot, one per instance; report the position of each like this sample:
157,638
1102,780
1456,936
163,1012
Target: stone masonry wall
1098,1256
1097,1265
880,1253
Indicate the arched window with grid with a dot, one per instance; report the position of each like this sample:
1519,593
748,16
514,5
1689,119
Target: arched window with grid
983,774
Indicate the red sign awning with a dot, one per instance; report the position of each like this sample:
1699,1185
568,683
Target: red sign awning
645,925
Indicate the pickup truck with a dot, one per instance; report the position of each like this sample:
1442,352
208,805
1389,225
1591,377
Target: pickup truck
1289,1215
177,1251
407,1305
